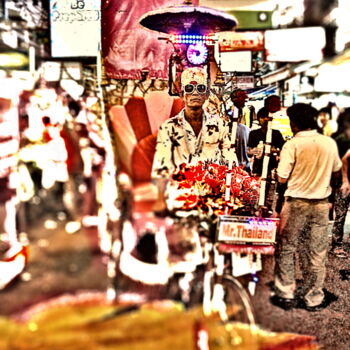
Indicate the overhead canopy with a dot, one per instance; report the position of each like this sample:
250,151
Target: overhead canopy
188,19
334,75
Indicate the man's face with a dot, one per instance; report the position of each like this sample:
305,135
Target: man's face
294,128
192,97
323,119
263,120
347,131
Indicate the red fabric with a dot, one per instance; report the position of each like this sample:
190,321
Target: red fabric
137,114
143,206
5,104
6,193
74,161
298,342
141,154
246,249
128,48
178,105
23,251
123,168
142,158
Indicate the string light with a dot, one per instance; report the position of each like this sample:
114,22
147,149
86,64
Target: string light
192,39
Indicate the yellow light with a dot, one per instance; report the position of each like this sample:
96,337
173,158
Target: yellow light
32,326
13,59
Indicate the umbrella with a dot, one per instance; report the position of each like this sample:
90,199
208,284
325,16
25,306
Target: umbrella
188,19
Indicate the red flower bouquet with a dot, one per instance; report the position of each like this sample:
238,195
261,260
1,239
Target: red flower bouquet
202,188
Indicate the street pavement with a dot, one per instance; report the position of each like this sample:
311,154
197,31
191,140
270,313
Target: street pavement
66,263
58,263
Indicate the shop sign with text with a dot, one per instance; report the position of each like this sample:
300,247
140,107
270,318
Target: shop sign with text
241,229
241,41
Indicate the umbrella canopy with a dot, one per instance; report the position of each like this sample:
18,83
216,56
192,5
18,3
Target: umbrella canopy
188,19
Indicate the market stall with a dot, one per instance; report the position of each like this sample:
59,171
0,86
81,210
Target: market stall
223,206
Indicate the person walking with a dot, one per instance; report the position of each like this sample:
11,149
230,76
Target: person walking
342,194
258,137
307,165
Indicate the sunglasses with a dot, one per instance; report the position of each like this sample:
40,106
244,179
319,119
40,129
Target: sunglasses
201,88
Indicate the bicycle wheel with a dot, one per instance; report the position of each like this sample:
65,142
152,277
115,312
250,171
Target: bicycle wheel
237,299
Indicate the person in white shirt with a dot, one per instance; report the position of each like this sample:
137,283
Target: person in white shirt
307,165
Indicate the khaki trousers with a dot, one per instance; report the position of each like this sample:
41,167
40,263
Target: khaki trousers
303,229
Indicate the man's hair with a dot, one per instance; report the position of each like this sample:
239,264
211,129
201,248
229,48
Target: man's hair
324,110
73,105
303,116
271,97
263,112
46,120
235,92
344,119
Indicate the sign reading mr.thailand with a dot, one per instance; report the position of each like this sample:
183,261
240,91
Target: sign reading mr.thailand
243,229
75,27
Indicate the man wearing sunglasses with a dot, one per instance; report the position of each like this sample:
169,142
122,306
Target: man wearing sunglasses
192,136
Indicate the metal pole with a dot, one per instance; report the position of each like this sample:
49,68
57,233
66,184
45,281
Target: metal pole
233,157
266,162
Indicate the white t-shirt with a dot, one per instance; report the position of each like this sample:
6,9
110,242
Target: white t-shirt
308,161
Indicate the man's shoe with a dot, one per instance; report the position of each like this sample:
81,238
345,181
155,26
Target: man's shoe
339,253
283,303
316,308
327,300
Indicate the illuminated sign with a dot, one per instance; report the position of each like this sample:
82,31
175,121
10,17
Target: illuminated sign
241,41
13,60
235,61
75,27
245,82
55,71
295,44
242,229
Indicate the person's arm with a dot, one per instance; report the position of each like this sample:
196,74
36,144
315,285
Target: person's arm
277,141
161,168
225,139
282,180
160,204
286,164
280,140
252,149
345,188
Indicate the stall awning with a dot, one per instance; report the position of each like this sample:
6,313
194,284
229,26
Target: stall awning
263,93
334,75
277,75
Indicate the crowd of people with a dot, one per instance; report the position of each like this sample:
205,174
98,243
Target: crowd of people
311,168
51,162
